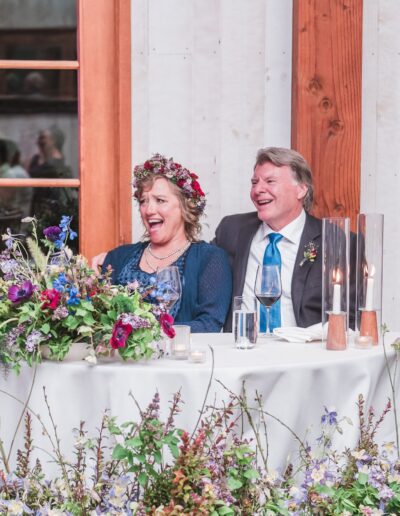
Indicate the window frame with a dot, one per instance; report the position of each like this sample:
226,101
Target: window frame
104,121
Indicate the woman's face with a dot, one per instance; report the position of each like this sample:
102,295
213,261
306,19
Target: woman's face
161,213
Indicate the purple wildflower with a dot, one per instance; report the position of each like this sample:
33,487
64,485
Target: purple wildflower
329,417
19,293
33,340
52,233
135,321
61,312
11,337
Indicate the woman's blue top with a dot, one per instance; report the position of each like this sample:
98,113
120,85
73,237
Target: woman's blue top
205,276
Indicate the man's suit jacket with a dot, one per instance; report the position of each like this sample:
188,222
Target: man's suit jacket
235,234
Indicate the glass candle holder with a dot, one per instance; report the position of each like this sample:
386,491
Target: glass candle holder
197,356
180,344
335,281
369,275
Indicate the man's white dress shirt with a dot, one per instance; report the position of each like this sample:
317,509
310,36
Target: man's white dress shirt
288,247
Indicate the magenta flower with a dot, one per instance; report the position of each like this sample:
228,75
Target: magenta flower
120,334
19,293
52,233
166,322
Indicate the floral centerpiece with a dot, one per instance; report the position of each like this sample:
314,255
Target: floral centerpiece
51,297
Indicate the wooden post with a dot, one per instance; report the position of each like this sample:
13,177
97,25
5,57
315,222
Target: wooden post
326,100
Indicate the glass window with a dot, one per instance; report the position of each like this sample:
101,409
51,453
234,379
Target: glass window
38,29
39,122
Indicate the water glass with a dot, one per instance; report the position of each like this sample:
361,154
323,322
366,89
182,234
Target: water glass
245,321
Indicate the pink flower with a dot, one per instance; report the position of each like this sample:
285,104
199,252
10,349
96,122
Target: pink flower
51,298
120,334
166,322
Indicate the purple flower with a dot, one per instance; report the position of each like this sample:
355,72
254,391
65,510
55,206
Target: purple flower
329,417
52,233
19,293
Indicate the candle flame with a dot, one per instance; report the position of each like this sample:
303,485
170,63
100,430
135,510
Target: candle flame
337,276
369,273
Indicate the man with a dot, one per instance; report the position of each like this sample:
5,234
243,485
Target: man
282,193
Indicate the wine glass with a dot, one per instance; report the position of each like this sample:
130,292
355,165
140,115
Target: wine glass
268,288
169,288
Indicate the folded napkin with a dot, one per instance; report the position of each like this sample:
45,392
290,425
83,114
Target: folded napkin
294,334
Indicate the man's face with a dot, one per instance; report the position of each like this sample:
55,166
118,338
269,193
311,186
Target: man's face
276,195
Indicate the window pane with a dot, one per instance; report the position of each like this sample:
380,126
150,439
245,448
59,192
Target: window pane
47,204
39,129
38,29
38,91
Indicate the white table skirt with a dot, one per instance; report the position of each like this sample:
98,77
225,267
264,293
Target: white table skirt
296,381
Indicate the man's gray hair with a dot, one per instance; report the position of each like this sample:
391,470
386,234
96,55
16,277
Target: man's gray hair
281,157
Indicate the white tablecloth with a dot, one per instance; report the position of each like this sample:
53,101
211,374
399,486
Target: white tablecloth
296,381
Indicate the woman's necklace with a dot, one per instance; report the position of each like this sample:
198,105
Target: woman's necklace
147,261
148,250
181,249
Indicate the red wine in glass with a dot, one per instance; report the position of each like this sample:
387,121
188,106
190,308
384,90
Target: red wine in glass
268,288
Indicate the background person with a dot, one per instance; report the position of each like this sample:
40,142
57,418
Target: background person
171,202
14,200
50,204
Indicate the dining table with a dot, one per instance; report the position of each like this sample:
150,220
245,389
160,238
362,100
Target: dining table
296,383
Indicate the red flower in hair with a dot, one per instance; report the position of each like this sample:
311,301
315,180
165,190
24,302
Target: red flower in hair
147,165
197,188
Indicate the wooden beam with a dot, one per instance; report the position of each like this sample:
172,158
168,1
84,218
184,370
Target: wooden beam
326,100
38,65
105,124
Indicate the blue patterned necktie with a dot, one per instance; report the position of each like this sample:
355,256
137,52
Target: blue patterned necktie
272,256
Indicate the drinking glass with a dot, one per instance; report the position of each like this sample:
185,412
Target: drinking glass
245,322
169,288
268,288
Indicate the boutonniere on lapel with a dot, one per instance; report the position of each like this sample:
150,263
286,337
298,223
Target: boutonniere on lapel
310,253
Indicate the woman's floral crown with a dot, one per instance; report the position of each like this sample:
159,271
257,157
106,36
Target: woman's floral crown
180,176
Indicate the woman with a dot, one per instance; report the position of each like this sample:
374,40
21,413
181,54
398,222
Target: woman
171,203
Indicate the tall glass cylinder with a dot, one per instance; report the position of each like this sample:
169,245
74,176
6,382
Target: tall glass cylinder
335,281
369,275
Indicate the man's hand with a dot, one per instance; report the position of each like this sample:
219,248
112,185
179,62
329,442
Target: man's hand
97,262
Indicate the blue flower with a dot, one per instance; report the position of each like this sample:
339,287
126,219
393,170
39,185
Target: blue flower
65,222
60,282
73,299
72,234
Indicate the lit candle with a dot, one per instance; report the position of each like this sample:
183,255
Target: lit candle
363,342
369,297
197,356
337,294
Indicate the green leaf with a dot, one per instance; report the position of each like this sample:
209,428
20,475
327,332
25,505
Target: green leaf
174,450
88,319
225,511
251,474
135,442
119,453
142,479
234,484
362,478
157,457
45,328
